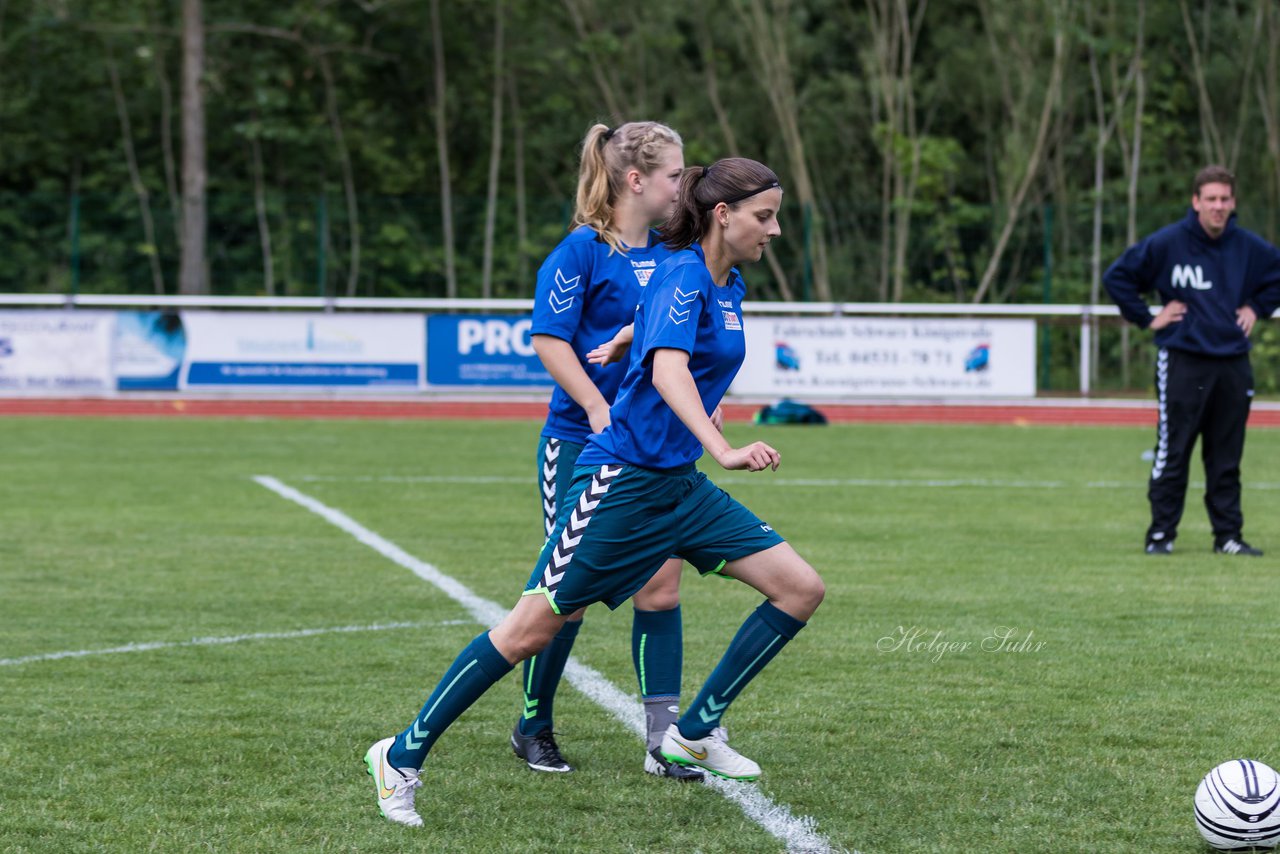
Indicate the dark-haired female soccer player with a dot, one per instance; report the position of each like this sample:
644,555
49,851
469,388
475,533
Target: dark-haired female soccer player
588,289
637,497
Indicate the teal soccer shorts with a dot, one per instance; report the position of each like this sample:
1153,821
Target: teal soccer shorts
619,524
556,459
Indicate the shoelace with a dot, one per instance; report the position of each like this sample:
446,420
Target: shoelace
546,740
407,783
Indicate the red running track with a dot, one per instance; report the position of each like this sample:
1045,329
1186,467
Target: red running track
1063,413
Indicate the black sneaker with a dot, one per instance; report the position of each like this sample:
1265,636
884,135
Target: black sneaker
658,765
540,751
1159,547
1235,546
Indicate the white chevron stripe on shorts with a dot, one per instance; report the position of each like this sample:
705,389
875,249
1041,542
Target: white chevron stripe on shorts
1162,406
576,525
550,457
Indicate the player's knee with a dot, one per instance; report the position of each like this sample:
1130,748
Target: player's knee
806,591
525,631
528,642
662,597
662,591
815,591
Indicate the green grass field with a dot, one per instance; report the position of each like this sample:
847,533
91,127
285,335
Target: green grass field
1123,678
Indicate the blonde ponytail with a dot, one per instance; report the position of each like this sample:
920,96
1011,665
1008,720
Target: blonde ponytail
607,154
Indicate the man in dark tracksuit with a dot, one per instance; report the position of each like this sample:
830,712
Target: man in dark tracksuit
1215,280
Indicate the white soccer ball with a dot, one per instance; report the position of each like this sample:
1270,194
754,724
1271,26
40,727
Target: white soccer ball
1238,806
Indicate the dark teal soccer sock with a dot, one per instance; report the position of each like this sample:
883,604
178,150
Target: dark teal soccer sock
542,675
475,669
657,650
761,637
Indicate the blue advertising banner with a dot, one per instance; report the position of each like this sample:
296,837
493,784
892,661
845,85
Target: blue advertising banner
300,374
150,346
489,350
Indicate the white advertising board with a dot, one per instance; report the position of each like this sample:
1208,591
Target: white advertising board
312,350
56,352
882,357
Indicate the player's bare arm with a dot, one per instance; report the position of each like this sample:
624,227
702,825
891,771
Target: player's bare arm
562,363
673,381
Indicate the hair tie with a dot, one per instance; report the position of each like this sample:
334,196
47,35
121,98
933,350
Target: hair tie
706,170
608,134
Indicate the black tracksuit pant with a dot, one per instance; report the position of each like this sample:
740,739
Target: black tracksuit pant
1206,397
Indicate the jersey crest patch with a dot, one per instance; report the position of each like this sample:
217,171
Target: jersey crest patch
731,321
642,275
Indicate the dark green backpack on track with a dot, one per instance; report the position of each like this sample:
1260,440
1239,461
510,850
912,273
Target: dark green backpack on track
787,411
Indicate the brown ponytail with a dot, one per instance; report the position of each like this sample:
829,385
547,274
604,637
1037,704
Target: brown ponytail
731,180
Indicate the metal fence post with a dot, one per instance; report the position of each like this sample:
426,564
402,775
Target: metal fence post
1086,347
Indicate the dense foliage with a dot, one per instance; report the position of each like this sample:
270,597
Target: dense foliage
932,150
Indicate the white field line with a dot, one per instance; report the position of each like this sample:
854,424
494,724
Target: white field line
217,641
1136,482
922,483
798,834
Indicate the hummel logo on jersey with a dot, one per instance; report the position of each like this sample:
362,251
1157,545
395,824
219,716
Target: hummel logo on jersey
682,298
1186,276
561,300
565,285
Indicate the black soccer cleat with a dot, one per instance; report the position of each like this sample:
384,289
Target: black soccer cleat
1159,547
539,751
1235,546
659,766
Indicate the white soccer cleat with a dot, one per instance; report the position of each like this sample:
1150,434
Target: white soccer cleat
395,785
711,754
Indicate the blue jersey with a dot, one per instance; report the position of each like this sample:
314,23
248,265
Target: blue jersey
1214,277
682,309
585,294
